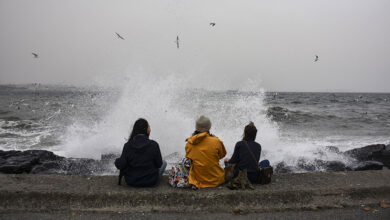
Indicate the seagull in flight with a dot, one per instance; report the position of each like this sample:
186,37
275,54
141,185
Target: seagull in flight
35,55
316,58
212,24
119,36
177,42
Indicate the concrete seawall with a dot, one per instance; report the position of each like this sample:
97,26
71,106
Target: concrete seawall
307,191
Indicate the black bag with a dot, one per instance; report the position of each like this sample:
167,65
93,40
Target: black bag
266,175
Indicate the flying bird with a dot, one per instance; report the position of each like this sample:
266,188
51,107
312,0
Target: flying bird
316,58
177,42
35,55
119,36
212,24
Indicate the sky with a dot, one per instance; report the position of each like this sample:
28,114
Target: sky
270,42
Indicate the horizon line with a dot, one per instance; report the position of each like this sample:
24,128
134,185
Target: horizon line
267,91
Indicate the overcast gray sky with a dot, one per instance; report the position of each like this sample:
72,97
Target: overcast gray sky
270,41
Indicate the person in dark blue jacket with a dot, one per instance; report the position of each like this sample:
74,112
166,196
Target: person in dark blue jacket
246,154
141,157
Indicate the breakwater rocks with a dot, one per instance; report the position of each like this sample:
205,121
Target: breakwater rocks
46,162
372,157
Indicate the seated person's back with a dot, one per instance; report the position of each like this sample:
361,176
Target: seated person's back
205,151
141,157
246,153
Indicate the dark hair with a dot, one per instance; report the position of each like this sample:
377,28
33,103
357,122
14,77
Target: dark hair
250,132
140,127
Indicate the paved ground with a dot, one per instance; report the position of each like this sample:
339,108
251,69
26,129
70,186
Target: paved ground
345,213
87,194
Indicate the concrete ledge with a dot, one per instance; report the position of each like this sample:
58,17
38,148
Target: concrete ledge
305,191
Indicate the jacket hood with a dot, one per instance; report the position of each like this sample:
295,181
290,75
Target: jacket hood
139,141
196,139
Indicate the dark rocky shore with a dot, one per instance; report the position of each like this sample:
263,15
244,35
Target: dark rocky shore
372,157
46,162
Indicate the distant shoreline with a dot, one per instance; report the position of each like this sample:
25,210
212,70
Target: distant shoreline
60,85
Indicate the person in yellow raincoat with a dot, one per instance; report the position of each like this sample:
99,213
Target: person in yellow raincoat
205,151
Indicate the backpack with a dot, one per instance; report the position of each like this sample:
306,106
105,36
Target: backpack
240,181
266,175
178,175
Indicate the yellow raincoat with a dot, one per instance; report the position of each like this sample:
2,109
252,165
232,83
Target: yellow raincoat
205,151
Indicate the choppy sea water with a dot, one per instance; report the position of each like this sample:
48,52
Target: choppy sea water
88,122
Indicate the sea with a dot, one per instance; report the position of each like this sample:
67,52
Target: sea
86,122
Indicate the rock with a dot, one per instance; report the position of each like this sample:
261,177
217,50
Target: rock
43,155
376,152
24,161
306,165
382,156
311,166
318,164
18,163
42,161
372,157
333,165
283,168
109,157
364,153
6,154
368,165
47,168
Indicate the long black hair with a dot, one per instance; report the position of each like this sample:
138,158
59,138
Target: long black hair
140,127
250,132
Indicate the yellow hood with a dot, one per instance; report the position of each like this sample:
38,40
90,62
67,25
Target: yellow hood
196,139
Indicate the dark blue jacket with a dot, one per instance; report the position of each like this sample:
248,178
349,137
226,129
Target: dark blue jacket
141,159
244,159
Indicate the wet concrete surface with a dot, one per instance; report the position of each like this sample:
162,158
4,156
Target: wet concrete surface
297,192
377,213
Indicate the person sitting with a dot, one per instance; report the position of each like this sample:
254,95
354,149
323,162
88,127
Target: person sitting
141,158
246,154
205,150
